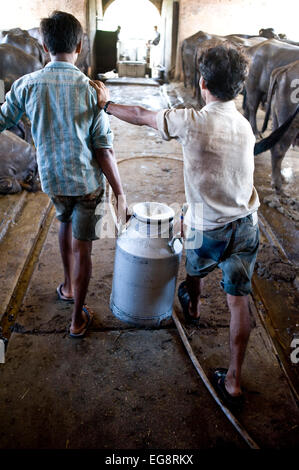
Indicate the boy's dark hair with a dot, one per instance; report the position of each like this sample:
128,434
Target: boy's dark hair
224,70
61,32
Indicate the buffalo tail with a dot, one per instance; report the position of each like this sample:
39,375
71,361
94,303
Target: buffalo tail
275,136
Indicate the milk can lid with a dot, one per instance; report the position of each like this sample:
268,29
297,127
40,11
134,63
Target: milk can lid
153,211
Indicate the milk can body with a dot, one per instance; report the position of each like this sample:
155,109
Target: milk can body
146,265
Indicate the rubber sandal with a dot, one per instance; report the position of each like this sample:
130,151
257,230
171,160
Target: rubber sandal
184,299
233,403
89,321
61,296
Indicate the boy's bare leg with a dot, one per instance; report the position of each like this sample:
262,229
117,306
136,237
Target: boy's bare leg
82,274
239,335
194,287
65,244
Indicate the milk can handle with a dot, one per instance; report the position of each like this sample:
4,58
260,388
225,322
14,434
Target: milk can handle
119,225
178,236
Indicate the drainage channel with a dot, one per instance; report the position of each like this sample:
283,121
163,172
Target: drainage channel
10,315
261,295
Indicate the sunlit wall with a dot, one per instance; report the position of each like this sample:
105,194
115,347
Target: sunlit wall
26,14
237,16
137,18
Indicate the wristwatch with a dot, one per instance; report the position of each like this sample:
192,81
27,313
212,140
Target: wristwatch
106,106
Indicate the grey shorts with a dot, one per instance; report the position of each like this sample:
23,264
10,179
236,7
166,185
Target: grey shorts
233,248
81,211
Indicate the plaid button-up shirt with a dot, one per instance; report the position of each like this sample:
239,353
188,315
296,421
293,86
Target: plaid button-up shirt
66,126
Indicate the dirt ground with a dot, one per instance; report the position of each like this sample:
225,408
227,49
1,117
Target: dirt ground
124,387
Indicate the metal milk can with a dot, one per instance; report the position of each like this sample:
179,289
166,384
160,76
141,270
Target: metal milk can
146,265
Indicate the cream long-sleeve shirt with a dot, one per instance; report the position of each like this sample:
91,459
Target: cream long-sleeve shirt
218,145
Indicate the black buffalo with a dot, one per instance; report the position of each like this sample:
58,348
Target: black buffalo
22,40
18,167
14,63
282,102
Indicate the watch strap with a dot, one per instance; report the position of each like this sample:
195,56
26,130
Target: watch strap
106,106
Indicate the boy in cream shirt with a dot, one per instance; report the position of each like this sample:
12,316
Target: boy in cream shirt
218,148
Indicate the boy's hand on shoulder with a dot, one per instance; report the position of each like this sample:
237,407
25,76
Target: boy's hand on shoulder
103,93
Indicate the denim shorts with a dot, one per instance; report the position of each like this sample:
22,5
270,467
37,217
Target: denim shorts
81,211
233,248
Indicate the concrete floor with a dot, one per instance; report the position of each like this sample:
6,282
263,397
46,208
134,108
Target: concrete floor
124,387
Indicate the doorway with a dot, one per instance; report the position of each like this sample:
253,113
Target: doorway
135,25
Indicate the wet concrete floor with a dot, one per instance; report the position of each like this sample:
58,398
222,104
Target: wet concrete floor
123,387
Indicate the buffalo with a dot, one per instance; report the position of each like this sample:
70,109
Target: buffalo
22,40
18,167
265,57
268,33
23,129
14,63
282,101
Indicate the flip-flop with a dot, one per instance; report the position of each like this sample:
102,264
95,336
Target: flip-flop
89,321
232,402
61,296
184,299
